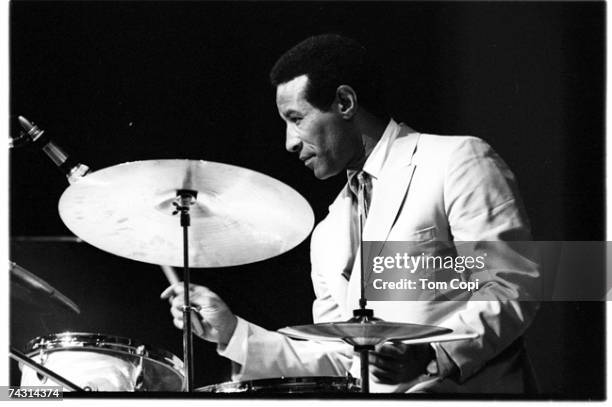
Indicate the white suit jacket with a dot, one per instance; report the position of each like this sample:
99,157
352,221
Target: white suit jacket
425,187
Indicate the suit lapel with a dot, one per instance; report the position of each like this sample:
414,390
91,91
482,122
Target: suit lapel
388,197
391,189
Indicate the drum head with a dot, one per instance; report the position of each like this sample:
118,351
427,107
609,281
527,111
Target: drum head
161,370
283,385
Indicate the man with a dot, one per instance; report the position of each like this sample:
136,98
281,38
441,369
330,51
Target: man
419,188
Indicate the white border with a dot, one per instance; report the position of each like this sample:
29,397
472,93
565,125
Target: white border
4,186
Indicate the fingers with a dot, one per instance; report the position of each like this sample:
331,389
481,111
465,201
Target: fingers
397,362
205,301
178,322
177,312
382,376
387,364
178,289
177,302
198,300
384,370
176,306
217,323
387,370
393,350
171,291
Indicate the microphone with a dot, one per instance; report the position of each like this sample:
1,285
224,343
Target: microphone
72,169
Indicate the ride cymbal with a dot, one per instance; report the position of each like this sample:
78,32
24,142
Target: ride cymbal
239,216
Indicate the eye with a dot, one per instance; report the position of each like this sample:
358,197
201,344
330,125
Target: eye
295,119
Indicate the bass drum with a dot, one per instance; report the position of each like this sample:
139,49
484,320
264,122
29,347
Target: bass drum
285,385
99,362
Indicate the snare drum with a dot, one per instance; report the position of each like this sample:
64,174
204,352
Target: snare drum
103,363
283,385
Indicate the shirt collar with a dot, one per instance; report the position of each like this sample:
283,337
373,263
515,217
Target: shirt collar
374,162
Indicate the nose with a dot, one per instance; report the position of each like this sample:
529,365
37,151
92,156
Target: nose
292,143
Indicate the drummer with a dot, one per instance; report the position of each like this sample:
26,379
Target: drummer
416,187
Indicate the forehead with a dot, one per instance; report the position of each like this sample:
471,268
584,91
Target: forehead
290,95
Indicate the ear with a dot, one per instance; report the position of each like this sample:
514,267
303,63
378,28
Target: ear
345,101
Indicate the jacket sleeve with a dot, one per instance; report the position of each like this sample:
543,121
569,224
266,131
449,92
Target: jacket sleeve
484,210
259,353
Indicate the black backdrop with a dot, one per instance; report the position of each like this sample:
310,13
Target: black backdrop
116,82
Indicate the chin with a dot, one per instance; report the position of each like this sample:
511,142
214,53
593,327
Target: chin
324,173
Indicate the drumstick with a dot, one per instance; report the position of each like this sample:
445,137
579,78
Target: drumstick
196,321
443,338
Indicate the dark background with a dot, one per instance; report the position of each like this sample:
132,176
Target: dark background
116,82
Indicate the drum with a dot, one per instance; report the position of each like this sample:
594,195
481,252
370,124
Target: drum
283,385
103,363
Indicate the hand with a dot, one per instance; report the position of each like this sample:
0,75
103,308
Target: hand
397,362
218,320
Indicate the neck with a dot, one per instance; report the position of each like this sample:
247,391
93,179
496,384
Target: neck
371,129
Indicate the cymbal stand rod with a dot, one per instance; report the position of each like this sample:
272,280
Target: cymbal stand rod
362,301
186,198
362,312
22,358
364,358
187,335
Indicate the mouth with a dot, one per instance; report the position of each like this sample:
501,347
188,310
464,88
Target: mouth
307,159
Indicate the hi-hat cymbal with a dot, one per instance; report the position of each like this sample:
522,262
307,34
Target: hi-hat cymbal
240,216
363,333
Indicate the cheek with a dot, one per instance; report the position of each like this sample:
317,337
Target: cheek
316,136
338,145
323,135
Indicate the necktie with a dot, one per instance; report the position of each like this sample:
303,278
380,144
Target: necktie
360,185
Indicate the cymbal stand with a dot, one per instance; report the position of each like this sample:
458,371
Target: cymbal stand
23,358
363,315
184,199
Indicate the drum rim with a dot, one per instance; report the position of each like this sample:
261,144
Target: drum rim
77,341
349,381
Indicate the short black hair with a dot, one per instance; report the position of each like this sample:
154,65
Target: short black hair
331,60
